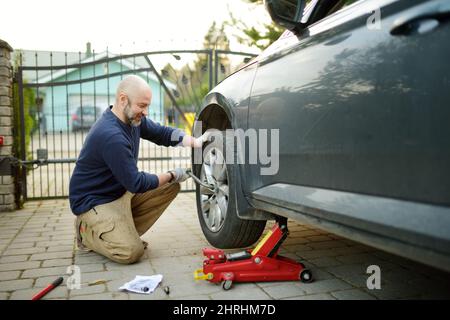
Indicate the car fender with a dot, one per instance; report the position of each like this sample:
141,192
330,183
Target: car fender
217,101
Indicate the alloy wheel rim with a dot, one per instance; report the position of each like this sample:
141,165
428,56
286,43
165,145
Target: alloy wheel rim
214,204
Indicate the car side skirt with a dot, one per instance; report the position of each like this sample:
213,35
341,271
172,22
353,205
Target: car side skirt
412,230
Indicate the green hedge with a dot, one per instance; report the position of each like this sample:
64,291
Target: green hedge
29,109
29,106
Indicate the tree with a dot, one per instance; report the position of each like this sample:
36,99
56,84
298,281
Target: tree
250,35
216,38
192,80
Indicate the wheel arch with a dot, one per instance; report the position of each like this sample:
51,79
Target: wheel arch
217,113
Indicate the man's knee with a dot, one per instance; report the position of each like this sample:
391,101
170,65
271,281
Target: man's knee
174,189
129,254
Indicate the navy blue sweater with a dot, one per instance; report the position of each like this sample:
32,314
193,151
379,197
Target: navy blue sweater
107,165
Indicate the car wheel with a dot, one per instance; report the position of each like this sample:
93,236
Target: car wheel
217,208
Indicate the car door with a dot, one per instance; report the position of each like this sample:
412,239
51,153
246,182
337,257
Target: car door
361,102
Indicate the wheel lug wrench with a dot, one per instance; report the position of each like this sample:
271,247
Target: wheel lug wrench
198,181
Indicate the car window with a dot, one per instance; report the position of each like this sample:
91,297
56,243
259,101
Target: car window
340,5
88,111
320,9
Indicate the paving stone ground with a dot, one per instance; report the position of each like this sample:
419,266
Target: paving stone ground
37,245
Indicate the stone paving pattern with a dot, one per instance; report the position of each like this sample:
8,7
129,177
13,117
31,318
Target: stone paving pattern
37,245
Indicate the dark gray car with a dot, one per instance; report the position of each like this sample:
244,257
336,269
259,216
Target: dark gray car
84,117
359,92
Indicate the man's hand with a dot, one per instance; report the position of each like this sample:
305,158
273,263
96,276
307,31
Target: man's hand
180,174
191,142
198,142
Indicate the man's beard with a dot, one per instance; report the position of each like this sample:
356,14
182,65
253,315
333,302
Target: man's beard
131,118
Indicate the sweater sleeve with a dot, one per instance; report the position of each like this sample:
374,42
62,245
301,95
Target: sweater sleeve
161,135
118,156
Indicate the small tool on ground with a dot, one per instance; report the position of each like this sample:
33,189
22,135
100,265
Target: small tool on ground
47,289
96,282
167,289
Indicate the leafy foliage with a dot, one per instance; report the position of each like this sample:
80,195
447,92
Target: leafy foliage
29,110
192,79
29,105
250,35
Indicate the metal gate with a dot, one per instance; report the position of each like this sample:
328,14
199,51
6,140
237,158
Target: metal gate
61,99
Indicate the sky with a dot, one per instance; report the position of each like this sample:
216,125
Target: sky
122,26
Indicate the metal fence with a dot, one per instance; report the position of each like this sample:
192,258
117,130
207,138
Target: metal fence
61,95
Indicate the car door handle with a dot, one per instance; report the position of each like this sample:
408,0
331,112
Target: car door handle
422,20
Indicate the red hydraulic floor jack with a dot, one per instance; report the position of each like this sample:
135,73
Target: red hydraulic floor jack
260,264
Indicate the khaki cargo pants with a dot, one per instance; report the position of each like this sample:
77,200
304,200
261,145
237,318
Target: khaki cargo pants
114,229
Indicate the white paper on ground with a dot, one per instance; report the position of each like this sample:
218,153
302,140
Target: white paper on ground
140,283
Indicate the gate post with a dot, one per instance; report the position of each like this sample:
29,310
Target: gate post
6,129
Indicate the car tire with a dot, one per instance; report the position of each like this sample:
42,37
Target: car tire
228,230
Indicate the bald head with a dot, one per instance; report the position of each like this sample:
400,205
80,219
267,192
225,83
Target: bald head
133,86
133,98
